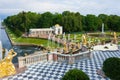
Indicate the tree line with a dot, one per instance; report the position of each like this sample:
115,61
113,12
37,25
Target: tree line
71,21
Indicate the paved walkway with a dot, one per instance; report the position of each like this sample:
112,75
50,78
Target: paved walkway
55,70
105,47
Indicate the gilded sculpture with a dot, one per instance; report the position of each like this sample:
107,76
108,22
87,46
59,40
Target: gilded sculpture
115,38
7,68
84,41
65,47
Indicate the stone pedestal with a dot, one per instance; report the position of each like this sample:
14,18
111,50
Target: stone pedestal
55,57
50,57
115,41
90,55
71,60
21,62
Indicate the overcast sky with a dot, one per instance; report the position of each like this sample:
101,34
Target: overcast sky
10,7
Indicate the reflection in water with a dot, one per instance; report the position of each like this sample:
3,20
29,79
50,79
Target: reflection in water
23,49
4,39
19,49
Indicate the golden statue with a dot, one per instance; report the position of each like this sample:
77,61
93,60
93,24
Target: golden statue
115,35
3,53
6,66
115,38
65,47
74,47
78,45
84,41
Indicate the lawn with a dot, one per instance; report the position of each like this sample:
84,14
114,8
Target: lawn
75,37
92,37
35,41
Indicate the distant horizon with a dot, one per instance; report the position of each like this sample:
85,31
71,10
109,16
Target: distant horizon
3,16
95,7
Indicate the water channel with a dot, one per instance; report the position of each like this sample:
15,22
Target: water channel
19,49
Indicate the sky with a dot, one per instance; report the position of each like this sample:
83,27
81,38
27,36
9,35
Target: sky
96,7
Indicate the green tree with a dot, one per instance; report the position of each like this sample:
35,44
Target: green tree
34,19
71,22
75,74
89,19
104,19
111,67
78,20
57,19
114,22
46,20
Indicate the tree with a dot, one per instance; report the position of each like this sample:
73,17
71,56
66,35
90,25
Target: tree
25,21
89,19
71,21
111,67
66,21
114,22
57,19
104,19
34,19
75,74
78,21
46,20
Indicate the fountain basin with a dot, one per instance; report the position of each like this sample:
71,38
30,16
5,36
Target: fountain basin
108,46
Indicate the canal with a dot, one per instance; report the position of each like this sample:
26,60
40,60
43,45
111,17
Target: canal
19,49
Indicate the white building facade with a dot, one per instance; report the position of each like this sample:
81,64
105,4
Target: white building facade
57,30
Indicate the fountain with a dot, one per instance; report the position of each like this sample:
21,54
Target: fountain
74,37
68,36
64,37
102,28
71,53
49,37
102,33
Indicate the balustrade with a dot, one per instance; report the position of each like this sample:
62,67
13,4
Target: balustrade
30,59
67,58
62,58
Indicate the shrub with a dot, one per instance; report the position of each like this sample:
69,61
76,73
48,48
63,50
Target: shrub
75,74
111,68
